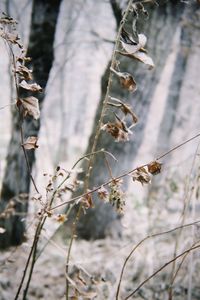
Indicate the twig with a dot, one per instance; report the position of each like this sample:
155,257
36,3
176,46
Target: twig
123,175
141,242
160,269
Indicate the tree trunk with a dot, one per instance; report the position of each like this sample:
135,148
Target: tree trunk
16,181
159,29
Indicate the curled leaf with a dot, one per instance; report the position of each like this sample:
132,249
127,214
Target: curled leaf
129,44
154,167
141,175
34,87
127,81
24,72
135,49
11,37
30,107
118,130
143,57
31,143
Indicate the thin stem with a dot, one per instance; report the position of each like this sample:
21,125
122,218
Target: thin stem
160,269
178,146
123,175
141,242
91,160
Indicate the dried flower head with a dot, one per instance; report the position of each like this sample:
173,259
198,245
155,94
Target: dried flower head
154,167
103,193
116,197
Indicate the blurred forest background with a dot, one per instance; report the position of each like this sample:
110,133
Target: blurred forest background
71,44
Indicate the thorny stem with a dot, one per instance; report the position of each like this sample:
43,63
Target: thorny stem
123,175
91,160
160,269
141,242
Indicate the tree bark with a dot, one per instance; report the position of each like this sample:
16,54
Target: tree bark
159,29
16,181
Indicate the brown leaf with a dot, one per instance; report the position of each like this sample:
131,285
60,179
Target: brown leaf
154,167
12,38
34,87
128,110
118,130
127,81
24,72
30,107
141,175
31,143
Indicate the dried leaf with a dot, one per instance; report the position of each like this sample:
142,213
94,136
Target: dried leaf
127,81
2,230
24,72
130,45
128,110
34,87
11,37
154,167
118,130
141,175
30,107
31,143
143,57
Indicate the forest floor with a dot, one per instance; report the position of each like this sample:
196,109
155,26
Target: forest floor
95,266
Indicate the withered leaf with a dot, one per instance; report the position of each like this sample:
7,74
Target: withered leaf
33,87
30,107
31,143
154,167
24,72
143,57
127,81
118,130
12,38
128,110
129,44
141,175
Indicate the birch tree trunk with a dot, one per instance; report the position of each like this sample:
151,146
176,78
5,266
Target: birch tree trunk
16,181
